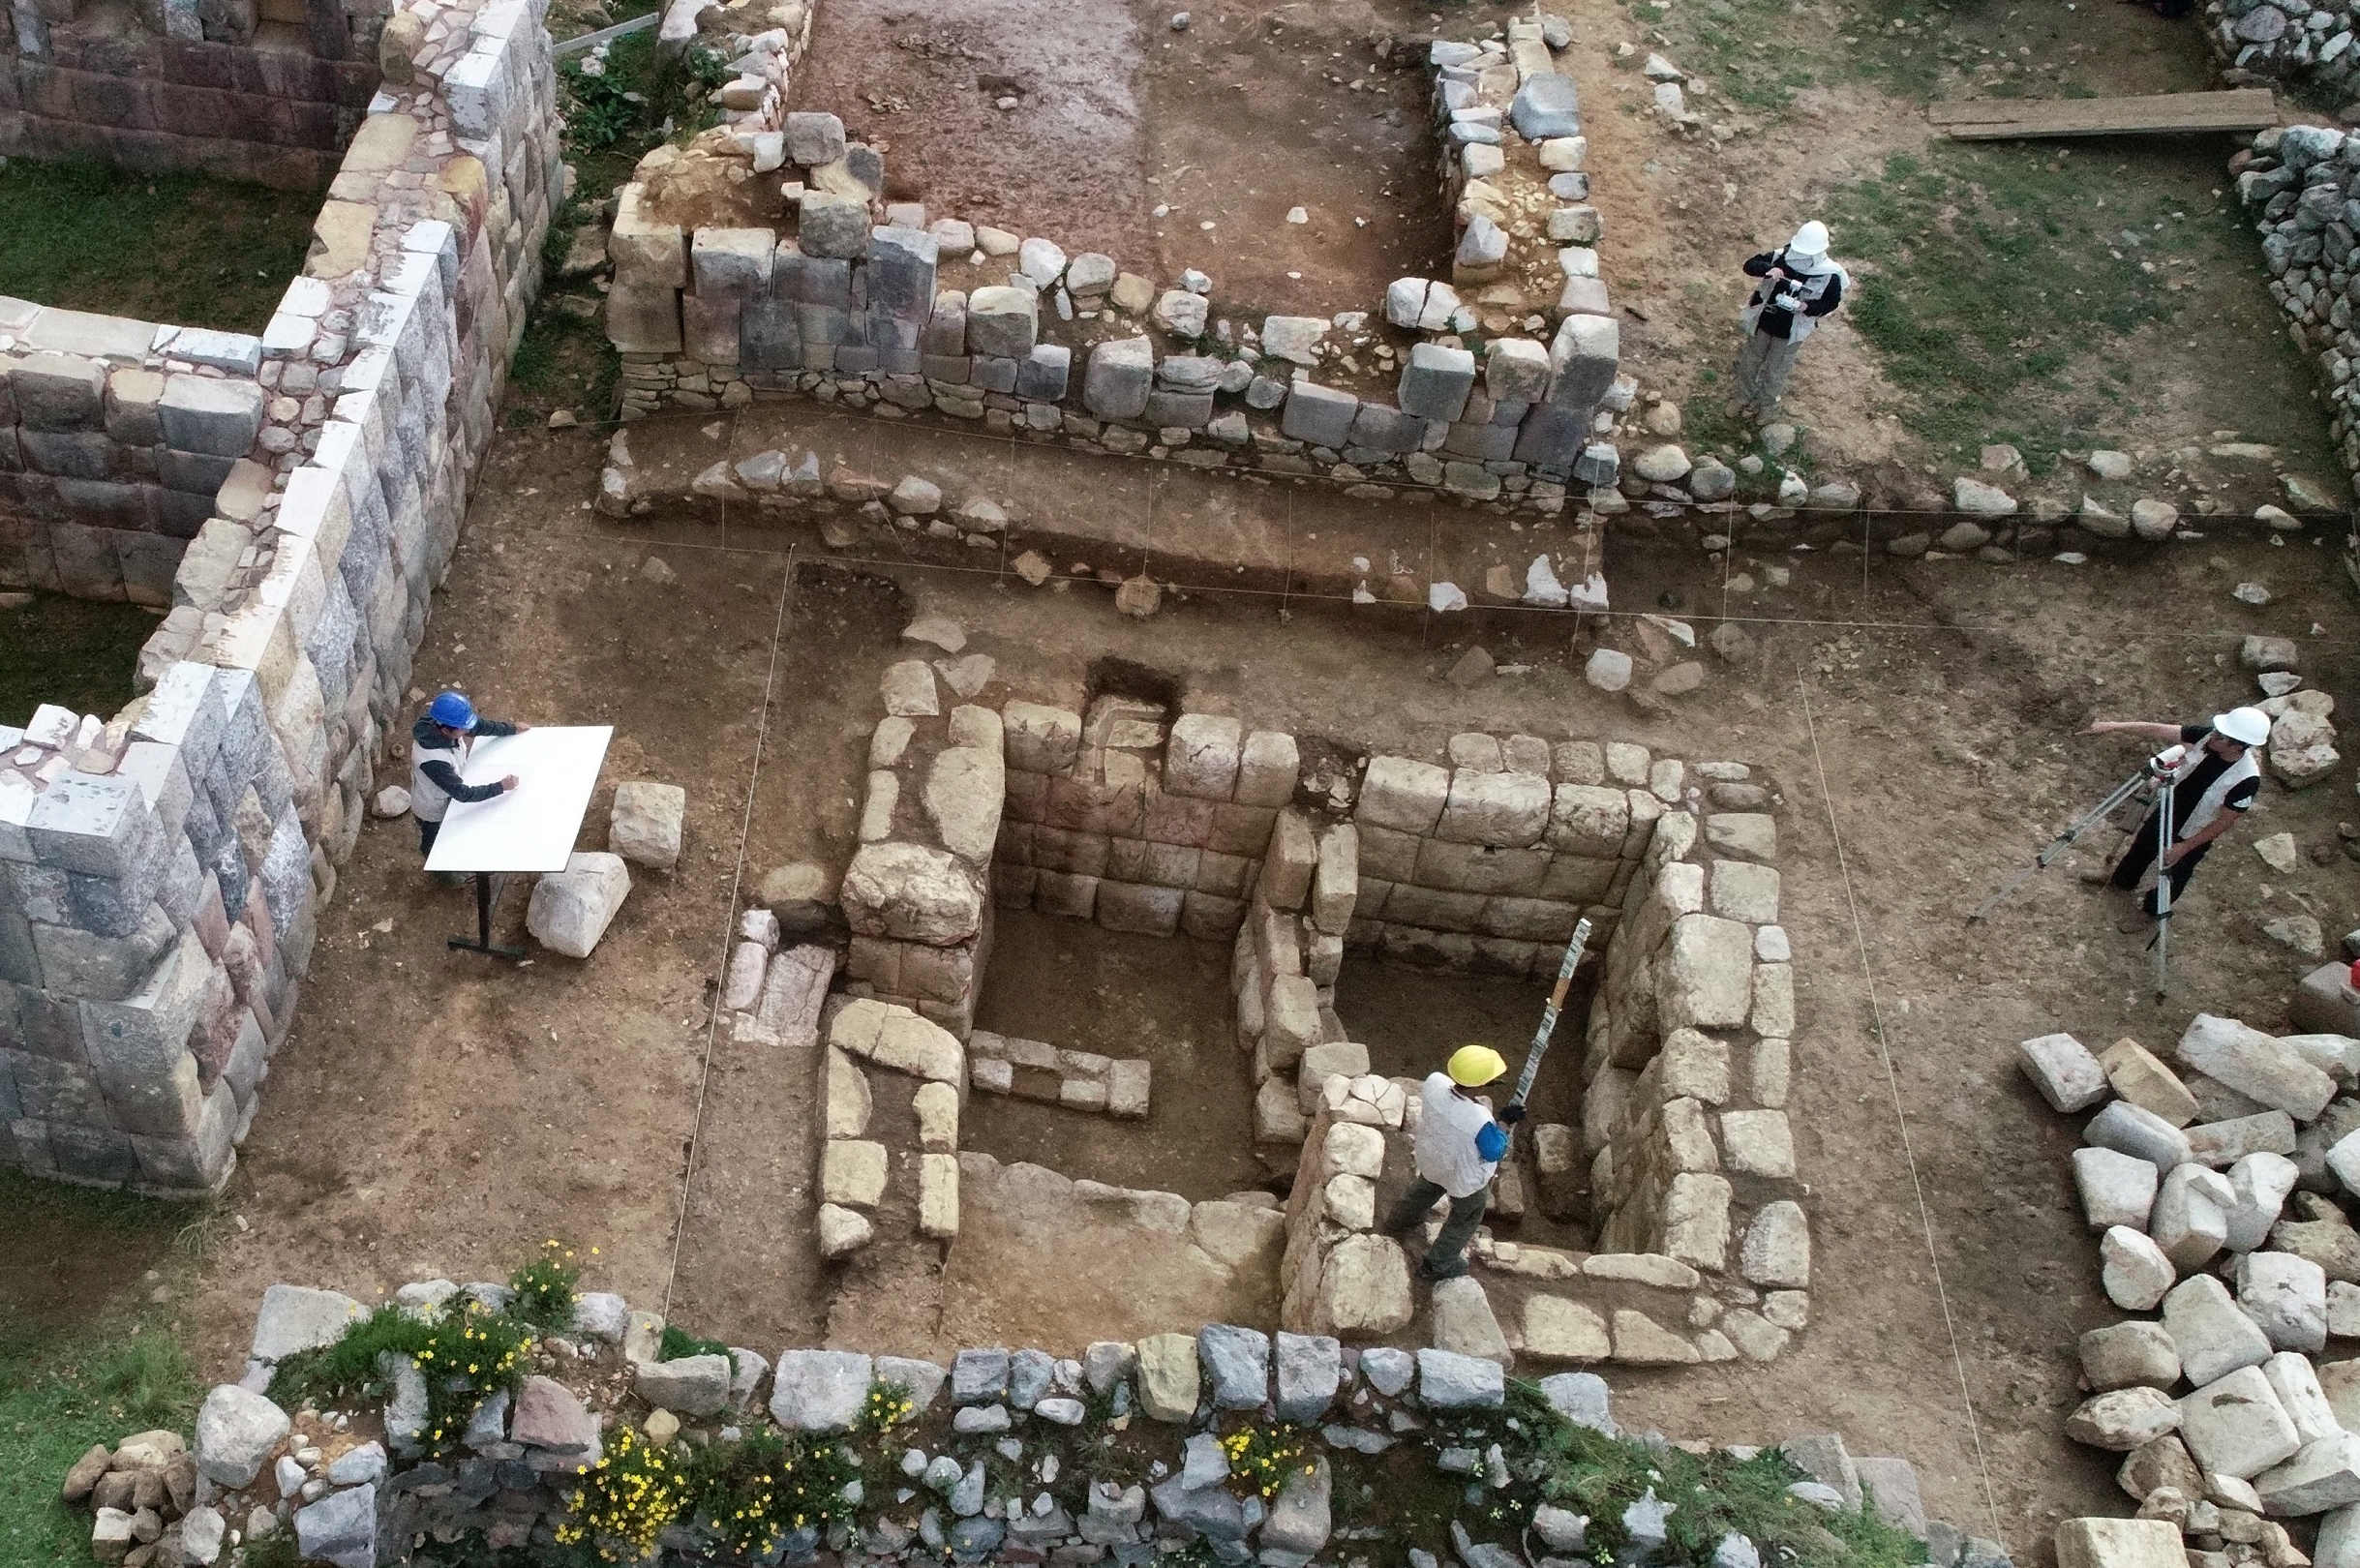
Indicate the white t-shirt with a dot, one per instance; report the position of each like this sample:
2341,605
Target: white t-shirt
1446,1128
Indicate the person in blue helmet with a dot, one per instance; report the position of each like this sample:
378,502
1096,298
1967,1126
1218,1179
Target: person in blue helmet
438,746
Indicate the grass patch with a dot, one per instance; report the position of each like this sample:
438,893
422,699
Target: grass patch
77,652
1995,272
84,1356
678,1344
95,238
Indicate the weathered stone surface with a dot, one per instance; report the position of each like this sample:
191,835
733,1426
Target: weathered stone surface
2136,1273
646,825
819,1389
2322,1475
2189,1220
1364,1288
2125,1355
2126,1129
689,1385
1778,1247
1236,1362
570,911
235,1431
2120,1542
912,893
1464,1321
2145,1079
2116,1189
2068,1076
1450,1381
2255,1066
2123,1419
1310,1371
340,1528
1703,977
2212,1335
2235,1425
1170,1380
2287,1298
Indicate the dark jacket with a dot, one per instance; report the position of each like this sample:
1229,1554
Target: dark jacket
428,736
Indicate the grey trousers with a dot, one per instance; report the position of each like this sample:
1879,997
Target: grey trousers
1763,366
1448,1254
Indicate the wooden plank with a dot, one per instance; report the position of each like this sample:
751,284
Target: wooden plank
1986,119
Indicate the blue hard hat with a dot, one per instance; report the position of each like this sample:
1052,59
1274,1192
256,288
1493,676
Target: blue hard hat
452,712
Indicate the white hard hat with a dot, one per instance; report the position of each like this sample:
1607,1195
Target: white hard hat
1811,239
2247,726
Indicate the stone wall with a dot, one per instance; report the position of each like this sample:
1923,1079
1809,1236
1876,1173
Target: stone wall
2301,185
265,92
1114,817
116,438
1001,1453
164,869
839,308
2287,42
1488,862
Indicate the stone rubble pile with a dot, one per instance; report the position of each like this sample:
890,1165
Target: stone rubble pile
986,1461
2237,1430
2293,41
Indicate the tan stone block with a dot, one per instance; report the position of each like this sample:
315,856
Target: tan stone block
2145,1079
938,1195
852,1173
340,238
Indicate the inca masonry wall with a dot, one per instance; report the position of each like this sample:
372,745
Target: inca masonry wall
266,92
847,311
161,870
1150,820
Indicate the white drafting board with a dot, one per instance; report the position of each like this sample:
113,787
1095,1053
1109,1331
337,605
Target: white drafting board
532,828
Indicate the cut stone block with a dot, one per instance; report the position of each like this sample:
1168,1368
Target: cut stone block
570,911
2068,1076
2235,1425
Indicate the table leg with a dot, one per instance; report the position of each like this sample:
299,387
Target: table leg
487,893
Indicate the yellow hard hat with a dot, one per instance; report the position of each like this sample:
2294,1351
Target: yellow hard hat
1471,1067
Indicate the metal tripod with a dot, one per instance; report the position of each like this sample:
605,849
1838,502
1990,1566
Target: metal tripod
2156,770
2064,840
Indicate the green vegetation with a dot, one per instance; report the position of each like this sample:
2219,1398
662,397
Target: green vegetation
1759,54
89,237
1998,272
76,652
85,1357
677,1344
465,1353
544,1289
617,107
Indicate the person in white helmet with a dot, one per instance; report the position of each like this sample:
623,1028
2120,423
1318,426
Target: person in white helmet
2215,775
1799,285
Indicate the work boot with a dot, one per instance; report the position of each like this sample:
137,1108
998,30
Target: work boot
1455,1268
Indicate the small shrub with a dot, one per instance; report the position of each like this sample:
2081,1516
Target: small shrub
889,1405
625,1499
762,1488
465,1353
544,1289
1262,1457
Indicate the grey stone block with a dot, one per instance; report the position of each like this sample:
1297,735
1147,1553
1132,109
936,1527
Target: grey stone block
1120,374
831,226
1321,416
1546,105
769,336
1515,369
1003,321
814,140
731,261
58,392
1551,438
1043,374
72,454
196,473
945,336
1386,430
1191,411
995,373
1582,361
1436,382
91,824
199,414
900,278
811,280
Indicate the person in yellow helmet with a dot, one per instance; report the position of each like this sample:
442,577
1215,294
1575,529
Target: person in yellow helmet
1458,1149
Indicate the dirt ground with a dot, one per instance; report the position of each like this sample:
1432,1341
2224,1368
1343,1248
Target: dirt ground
1166,149
434,1114
1121,994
